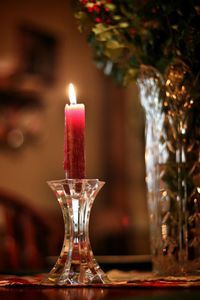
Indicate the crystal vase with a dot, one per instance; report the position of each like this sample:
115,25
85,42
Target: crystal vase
76,263
172,158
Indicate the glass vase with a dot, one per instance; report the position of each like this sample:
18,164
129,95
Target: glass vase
76,263
172,157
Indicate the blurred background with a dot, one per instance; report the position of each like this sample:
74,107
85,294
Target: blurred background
41,52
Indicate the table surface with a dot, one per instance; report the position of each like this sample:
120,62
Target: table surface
89,293
138,285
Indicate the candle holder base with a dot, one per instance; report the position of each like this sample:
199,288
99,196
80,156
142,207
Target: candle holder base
76,263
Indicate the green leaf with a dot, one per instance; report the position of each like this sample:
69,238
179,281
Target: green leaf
82,21
116,17
175,27
113,49
110,6
89,4
113,54
130,75
99,28
123,25
104,36
80,15
114,44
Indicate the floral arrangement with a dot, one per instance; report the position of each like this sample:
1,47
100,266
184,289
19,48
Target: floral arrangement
126,34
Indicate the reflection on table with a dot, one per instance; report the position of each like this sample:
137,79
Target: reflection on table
75,293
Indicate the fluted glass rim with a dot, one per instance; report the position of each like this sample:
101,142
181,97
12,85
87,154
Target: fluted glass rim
64,180
76,181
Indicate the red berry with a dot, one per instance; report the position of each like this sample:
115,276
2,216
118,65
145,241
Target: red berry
98,20
96,8
90,9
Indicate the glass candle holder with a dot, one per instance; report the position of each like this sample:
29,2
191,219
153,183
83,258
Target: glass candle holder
76,263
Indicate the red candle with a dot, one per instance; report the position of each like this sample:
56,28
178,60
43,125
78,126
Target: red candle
74,139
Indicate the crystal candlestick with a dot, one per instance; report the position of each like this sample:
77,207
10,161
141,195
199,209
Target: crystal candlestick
76,263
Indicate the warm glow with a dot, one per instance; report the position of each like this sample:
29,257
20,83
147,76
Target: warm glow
164,193
72,94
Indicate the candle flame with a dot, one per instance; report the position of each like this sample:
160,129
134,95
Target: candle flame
72,94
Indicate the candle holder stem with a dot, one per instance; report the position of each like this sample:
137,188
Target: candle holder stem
76,263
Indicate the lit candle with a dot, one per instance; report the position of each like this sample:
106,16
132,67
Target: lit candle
74,139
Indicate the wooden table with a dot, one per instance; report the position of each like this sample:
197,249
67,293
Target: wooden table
81,293
14,287
137,285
